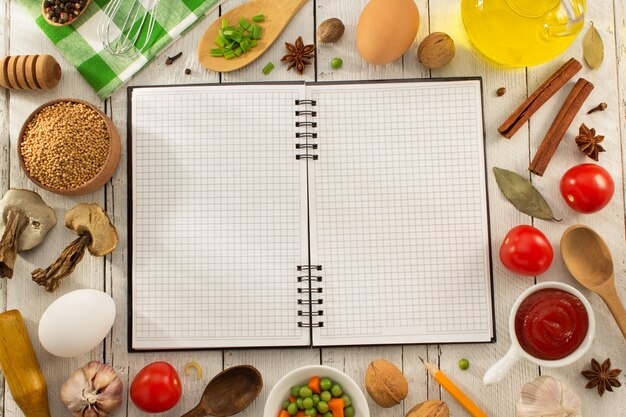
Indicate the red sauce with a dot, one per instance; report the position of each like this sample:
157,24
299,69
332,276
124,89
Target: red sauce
550,324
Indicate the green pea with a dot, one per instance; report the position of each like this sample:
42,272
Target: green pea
306,392
464,364
311,412
307,403
346,401
325,384
329,414
336,390
322,407
316,399
336,63
326,396
286,404
299,403
295,391
292,409
348,412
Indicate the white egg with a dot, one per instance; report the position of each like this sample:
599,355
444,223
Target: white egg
76,322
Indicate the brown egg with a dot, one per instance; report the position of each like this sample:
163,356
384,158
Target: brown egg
386,30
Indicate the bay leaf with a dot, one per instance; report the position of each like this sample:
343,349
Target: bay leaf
593,49
523,195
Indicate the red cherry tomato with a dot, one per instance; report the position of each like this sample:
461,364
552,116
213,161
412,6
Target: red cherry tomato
156,388
587,188
526,251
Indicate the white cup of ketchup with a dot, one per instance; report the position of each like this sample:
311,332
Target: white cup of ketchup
551,324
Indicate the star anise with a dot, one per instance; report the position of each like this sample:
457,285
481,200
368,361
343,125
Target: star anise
588,142
299,56
602,376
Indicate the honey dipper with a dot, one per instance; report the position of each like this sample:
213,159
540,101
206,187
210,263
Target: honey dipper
29,72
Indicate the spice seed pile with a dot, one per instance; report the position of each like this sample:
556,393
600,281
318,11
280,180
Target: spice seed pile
65,145
63,11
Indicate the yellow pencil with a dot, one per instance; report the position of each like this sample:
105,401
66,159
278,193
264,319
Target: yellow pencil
455,391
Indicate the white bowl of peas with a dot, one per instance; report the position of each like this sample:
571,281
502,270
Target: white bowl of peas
316,391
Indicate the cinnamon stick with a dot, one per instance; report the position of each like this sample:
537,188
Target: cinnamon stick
561,123
539,97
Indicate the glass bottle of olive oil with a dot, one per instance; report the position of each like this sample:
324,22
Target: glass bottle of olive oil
520,33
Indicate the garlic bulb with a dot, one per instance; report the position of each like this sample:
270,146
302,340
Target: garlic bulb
94,390
545,396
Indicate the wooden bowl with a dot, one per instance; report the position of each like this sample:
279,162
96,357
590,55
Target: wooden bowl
110,164
44,14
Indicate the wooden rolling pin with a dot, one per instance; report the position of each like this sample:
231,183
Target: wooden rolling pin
20,367
29,72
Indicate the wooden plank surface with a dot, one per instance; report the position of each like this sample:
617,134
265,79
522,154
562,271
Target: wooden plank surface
20,35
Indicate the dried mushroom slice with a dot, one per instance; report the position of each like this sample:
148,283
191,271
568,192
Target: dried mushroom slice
26,219
95,232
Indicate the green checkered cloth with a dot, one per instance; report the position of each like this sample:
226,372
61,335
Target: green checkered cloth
80,45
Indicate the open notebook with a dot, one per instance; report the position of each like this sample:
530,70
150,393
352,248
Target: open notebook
308,214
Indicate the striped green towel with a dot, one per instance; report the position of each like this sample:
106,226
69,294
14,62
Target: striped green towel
80,45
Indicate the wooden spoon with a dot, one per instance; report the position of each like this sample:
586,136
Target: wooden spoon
588,259
229,392
278,13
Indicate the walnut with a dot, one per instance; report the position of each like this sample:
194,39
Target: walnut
431,408
385,383
436,50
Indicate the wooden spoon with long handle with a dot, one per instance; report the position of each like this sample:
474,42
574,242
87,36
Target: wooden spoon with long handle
278,13
588,259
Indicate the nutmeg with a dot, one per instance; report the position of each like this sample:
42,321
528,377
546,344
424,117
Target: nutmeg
385,383
436,50
430,408
330,30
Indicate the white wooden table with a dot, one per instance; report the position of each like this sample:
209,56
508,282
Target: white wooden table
19,36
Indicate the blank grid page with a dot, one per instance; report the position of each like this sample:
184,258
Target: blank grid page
218,228
400,213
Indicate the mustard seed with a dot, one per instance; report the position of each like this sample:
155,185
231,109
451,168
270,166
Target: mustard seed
65,145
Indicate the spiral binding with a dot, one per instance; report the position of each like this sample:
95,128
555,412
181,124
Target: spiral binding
307,134
313,290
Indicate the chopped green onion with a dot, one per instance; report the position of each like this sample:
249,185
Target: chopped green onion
221,42
243,22
234,41
268,68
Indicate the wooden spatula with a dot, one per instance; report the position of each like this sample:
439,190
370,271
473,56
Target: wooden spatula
278,13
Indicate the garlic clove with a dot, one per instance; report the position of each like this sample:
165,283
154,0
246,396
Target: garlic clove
72,392
547,396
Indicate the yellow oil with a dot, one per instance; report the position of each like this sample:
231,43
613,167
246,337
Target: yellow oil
519,33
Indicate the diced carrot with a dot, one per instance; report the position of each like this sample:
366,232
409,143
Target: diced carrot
336,407
292,399
314,384
283,413
300,414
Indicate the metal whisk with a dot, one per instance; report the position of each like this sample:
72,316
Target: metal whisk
122,40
